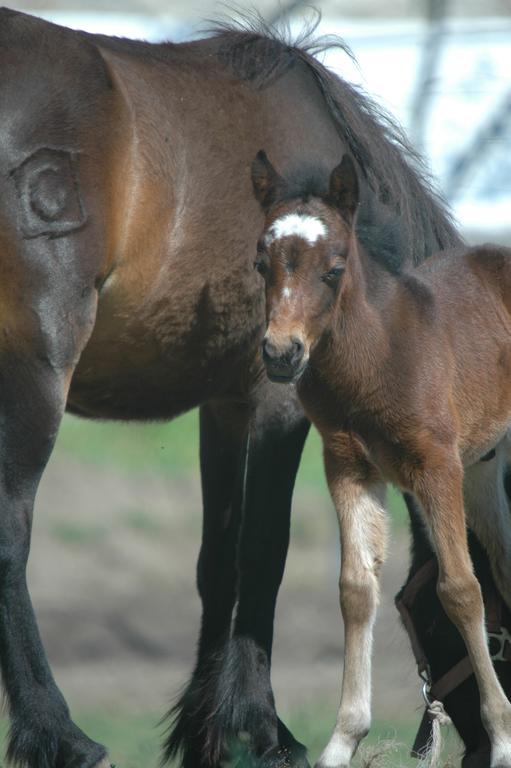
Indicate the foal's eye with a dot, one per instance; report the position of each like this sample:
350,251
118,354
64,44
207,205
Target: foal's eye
261,266
332,276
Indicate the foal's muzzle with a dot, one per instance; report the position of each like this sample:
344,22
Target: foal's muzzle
284,361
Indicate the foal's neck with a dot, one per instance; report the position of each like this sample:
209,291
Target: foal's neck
359,337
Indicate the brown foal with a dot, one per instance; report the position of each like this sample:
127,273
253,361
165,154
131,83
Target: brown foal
406,375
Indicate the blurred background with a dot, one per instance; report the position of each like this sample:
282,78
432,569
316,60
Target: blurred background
118,518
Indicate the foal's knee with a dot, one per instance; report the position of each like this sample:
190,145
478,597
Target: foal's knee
461,597
358,596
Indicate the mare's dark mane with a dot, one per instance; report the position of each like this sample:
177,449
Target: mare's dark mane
394,172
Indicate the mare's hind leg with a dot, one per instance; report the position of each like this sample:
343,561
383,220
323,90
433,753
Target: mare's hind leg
241,709
488,514
223,433
47,309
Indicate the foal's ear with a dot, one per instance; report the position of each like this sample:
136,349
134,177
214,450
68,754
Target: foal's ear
268,184
344,188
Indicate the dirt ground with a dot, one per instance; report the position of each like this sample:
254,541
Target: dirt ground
112,575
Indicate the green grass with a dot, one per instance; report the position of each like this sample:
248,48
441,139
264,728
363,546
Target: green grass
171,447
76,533
313,728
140,521
133,740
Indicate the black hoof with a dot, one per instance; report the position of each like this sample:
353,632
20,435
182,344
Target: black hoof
42,746
290,754
284,757
296,752
276,757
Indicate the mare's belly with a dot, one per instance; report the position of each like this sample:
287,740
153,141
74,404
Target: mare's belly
157,353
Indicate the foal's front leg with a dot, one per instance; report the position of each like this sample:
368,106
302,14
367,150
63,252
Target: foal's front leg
440,492
359,506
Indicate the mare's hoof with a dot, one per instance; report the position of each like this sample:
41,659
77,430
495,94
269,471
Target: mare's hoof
285,757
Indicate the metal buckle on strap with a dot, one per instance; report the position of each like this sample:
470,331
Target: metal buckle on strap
425,676
501,638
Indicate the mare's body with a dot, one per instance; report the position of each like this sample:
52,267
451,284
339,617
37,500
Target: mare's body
406,377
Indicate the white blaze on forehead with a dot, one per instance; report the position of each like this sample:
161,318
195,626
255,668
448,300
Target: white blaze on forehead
309,228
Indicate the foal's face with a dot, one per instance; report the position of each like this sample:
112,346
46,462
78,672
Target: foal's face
302,256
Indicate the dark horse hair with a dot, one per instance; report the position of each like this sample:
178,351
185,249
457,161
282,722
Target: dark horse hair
395,172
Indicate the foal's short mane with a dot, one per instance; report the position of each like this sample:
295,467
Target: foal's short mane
394,171
378,227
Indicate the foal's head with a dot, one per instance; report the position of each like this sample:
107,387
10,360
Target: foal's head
302,254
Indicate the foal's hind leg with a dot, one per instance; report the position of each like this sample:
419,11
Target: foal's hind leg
488,514
359,506
440,492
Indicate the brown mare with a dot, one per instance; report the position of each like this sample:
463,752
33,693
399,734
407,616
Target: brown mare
127,291
406,376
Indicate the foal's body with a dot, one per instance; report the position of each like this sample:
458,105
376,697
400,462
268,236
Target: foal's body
438,382
407,378
439,342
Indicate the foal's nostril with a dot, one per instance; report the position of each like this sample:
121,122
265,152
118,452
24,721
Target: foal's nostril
298,349
270,351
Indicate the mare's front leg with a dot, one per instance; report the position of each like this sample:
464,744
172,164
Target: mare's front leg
358,499
439,490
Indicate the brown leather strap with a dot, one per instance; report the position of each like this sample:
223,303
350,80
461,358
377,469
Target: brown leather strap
425,573
454,677
461,671
418,651
404,603
493,611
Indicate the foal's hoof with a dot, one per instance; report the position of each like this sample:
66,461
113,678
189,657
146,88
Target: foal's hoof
502,759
